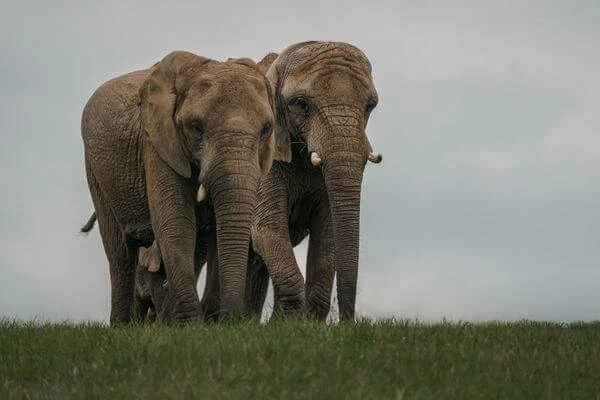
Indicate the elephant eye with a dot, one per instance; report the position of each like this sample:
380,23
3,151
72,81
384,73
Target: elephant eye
266,130
298,105
195,126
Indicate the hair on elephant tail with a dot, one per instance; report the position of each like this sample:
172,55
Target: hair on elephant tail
89,224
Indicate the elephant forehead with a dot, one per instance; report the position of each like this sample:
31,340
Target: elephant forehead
331,83
225,105
320,53
230,87
341,81
296,83
235,73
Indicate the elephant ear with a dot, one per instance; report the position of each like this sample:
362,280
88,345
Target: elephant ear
150,257
267,154
283,145
159,98
266,62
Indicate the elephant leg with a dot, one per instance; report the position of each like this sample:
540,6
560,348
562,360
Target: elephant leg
271,240
274,245
320,266
141,307
210,304
121,257
122,277
121,261
172,207
142,298
257,284
152,313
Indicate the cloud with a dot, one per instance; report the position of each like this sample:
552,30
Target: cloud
478,291
485,205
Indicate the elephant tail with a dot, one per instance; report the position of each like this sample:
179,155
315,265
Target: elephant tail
90,224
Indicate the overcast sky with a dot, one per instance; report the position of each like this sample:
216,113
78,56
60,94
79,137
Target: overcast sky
486,205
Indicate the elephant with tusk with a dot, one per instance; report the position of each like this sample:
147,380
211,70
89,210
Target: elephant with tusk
189,128
151,284
324,95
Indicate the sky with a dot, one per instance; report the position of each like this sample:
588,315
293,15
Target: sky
484,208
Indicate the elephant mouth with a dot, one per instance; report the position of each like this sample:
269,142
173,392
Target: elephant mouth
316,160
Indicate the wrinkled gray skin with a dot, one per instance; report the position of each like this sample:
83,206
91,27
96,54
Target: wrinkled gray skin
324,93
151,284
150,137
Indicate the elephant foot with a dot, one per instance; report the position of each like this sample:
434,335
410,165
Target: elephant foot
317,314
211,312
209,309
230,318
120,321
233,314
289,307
182,319
180,311
318,306
280,315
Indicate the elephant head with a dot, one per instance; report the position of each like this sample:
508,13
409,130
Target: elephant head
324,94
215,118
191,105
153,139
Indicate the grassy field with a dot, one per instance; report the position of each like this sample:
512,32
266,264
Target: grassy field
301,360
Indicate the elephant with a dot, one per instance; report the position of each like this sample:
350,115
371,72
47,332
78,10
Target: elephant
150,288
324,94
150,284
158,141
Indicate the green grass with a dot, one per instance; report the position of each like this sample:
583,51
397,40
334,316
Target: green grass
301,360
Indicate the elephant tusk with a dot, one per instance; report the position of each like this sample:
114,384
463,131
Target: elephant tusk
375,158
315,159
202,193
165,284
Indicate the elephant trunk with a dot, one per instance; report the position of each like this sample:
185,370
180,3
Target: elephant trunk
343,164
233,191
